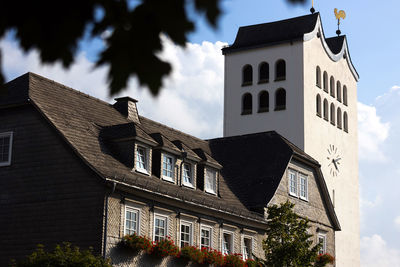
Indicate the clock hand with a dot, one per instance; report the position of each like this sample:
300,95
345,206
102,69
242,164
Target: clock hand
334,163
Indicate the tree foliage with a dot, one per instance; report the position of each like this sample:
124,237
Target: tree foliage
54,28
288,242
62,256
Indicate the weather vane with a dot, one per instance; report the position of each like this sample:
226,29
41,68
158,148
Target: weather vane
339,15
312,10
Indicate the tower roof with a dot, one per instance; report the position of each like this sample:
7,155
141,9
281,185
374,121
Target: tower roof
273,32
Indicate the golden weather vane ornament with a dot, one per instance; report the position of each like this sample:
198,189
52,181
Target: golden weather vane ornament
312,10
339,15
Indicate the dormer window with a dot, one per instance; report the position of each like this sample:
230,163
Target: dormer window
168,167
211,181
142,159
187,175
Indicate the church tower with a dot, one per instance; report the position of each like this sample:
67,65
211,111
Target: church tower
288,77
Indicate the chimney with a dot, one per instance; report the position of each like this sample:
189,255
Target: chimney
127,107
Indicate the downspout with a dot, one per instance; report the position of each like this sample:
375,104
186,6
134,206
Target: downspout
106,220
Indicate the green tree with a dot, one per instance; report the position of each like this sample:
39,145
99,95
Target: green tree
288,242
62,256
55,28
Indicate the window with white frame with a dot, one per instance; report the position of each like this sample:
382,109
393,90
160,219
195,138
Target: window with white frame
211,181
298,185
186,234
5,148
131,221
303,186
187,175
168,167
141,159
247,248
292,183
160,227
322,241
227,243
205,236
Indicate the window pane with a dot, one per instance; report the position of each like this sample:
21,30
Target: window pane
131,221
167,166
292,183
141,162
211,181
226,244
187,174
205,237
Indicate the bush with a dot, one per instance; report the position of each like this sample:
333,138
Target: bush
192,254
136,243
233,260
252,263
324,259
212,256
164,248
64,255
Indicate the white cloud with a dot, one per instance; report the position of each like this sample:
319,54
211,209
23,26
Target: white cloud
375,252
372,132
191,99
397,222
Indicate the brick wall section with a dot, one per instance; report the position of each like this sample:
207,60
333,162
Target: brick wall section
47,195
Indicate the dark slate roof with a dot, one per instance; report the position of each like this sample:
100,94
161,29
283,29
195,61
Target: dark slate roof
335,43
272,33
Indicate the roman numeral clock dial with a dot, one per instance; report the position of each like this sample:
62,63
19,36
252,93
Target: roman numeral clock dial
334,159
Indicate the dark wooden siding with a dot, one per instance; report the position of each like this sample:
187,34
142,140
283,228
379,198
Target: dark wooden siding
47,195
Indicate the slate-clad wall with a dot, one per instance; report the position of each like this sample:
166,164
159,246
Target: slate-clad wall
47,195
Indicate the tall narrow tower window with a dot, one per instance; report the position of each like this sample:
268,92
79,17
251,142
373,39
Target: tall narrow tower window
247,104
325,81
332,86
333,109
318,105
280,70
339,118
345,95
326,110
247,75
263,102
345,122
338,91
318,78
263,72
280,99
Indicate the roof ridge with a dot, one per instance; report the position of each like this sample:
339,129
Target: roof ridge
280,21
243,135
173,129
67,87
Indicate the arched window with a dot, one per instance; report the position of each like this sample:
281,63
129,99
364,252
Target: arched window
318,105
338,91
345,95
263,102
332,86
326,110
280,70
333,114
263,72
325,81
345,122
318,78
339,118
247,104
247,77
280,99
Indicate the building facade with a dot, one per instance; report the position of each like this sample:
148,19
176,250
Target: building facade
78,169
286,76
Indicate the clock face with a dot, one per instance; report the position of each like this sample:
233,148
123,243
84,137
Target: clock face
333,160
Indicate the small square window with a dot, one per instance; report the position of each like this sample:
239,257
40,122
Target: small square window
187,178
186,234
247,248
227,243
160,227
141,159
5,148
131,221
292,183
205,236
211,181
322,241
168,168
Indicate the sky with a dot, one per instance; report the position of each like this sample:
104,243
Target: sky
191,99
